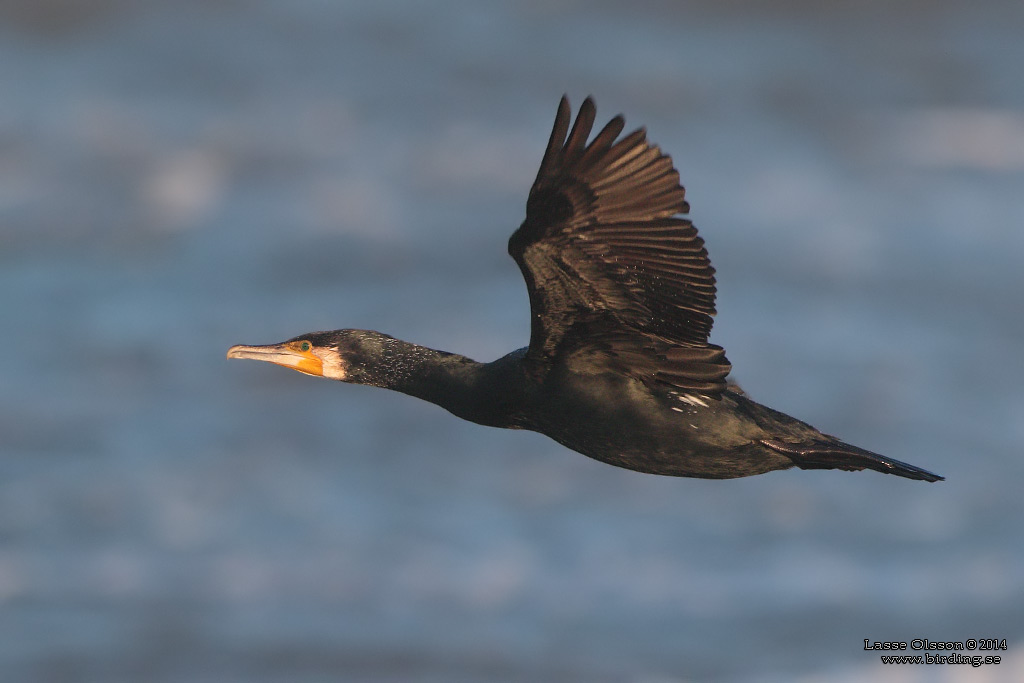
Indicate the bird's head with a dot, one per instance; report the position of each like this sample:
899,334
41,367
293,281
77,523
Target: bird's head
344,355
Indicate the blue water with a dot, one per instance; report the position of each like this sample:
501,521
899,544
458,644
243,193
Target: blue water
177,177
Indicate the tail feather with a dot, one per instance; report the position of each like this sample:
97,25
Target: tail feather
827,455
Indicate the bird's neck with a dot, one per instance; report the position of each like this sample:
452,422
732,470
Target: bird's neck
445,379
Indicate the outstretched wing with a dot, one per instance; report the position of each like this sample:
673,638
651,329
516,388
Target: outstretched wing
616,279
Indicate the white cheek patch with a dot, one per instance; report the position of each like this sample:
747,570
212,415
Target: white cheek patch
334,367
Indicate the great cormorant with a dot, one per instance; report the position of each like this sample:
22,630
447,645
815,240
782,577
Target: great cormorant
619,367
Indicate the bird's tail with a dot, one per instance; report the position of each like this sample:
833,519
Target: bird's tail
827,455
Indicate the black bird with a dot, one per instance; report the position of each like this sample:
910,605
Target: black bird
619,366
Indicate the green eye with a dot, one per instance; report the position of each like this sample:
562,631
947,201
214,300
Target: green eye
304,346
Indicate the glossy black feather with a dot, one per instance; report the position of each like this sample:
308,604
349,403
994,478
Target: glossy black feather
617,279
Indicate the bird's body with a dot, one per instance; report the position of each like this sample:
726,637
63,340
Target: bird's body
618,367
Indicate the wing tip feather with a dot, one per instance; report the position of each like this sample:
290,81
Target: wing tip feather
617,200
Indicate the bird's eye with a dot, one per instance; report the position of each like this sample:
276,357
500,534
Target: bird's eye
304,346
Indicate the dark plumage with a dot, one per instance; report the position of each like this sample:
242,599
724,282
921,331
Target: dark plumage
619,366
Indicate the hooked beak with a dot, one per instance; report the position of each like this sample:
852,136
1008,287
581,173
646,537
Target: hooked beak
288,355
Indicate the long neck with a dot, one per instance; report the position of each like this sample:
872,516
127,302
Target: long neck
456,383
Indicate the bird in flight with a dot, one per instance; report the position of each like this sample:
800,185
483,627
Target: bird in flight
619,367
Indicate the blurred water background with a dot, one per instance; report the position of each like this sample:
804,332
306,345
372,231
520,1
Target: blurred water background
179,176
